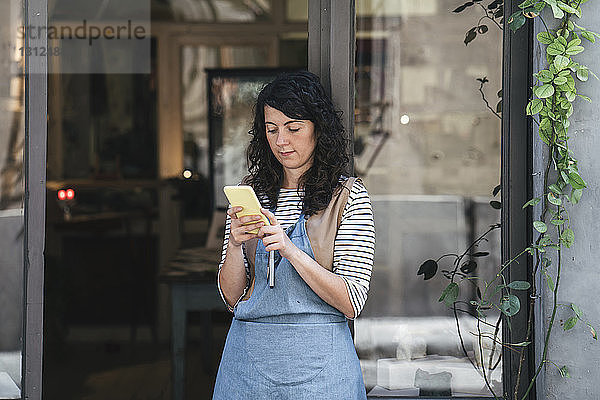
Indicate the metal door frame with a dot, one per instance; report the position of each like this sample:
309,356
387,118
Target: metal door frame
35,14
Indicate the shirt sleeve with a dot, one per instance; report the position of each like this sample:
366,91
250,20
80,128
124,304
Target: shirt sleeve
223,253
354,247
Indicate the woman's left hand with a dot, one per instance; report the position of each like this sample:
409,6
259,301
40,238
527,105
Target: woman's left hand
274,237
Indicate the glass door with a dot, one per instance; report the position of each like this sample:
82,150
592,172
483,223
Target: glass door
12,138
427,137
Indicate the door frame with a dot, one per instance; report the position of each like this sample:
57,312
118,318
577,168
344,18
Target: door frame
35,13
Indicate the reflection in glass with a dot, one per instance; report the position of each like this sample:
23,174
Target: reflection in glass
212,10
194,61
102,126
12,134
232,98
428,150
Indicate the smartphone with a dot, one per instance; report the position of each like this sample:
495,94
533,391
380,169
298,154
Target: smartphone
244,196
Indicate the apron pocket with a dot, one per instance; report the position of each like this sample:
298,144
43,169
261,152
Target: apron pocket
288,354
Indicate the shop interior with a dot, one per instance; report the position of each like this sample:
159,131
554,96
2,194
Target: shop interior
134,211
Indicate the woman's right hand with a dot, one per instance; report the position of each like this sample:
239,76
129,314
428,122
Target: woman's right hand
238,232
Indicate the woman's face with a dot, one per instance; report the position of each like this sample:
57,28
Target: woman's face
292,141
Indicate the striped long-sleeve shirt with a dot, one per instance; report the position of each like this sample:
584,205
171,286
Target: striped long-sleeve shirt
354,246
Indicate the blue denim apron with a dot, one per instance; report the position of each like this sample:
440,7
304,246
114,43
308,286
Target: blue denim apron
285,342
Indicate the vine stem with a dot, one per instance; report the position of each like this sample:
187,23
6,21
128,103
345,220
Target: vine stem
487,104
487,15
550,324
534,272
485,378
533,285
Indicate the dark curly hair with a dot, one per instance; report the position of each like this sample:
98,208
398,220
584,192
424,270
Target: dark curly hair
299,95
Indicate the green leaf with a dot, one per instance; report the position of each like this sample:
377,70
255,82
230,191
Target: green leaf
496,204
543,91
470,36
570,95
519,285
555,189
540,226
544,136
550,282
516,20
535,106
587,35
569,9
571,83
570,323
561,62
468,267
582,74
557,222
560,80
576,181
558,13
554,200
564,372
496,190
577,310
532,202
568,237
555,48
510,305
574,50
585,98
545,76
574,42
576,195
545,124
545,38
450,294
428,269
527,3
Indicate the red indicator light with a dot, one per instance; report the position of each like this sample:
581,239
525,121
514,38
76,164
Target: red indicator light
70,194
62,194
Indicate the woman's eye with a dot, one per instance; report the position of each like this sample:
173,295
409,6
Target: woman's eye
294,129
271,130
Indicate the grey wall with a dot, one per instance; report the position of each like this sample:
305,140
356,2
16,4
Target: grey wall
580,278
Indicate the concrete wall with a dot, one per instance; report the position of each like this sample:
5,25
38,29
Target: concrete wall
579,272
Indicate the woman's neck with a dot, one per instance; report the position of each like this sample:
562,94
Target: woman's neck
291,178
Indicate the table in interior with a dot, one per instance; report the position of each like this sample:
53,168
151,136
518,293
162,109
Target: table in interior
191,276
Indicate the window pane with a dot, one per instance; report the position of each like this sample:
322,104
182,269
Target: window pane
12,133
428,150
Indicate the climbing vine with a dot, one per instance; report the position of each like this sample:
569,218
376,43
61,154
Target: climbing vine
551,105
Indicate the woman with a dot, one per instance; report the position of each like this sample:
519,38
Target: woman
292,341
